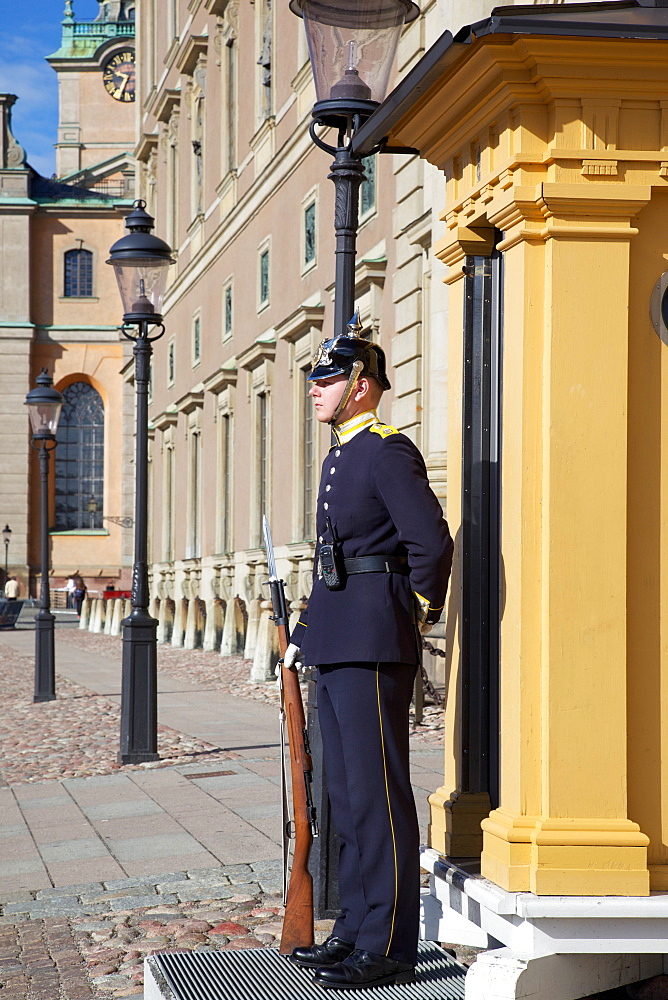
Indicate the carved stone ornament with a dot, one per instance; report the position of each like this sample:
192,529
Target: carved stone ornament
231,20
218,39
12,155
189,95
226,583
151,169
173,128
199,75
16,156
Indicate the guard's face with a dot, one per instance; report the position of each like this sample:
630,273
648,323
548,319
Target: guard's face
326,394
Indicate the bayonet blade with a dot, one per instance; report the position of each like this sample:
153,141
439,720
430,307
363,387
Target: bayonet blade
269,546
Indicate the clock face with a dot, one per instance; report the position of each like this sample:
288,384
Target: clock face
118,76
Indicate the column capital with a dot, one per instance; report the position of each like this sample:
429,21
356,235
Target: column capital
464,241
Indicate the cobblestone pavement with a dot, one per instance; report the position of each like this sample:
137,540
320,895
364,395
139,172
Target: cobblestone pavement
89,941
72,737
230,674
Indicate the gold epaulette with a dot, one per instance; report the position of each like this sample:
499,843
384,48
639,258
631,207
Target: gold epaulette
383,429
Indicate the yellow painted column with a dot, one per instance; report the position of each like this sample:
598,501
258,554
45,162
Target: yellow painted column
647,545
562,827
448,832
456,815
507,839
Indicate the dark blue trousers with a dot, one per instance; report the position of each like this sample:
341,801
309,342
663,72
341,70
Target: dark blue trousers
363,711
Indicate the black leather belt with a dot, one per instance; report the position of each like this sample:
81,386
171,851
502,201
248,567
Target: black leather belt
376,564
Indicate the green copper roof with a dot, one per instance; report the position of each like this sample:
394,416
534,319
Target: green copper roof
82,39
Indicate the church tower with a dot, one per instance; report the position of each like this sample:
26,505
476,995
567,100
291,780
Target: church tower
95,65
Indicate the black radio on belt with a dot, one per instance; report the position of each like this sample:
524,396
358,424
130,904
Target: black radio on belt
331,562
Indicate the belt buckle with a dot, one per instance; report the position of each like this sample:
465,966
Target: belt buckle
387,566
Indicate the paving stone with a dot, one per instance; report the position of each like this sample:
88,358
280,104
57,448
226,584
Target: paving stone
13,908
18,896
230,871
140,880
244,879
105,896
220,882
210,876
110,982
196,894
266,866
41,802
68,909
70,890
134,902
271,887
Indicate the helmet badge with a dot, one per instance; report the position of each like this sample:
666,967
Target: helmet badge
321,356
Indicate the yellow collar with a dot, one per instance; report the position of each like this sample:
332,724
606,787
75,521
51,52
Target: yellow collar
349,428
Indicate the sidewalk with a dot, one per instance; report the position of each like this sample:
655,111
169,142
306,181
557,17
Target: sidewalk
102,864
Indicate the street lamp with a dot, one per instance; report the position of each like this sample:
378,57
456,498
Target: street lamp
91,507
352,44
6,537
44,405
140,261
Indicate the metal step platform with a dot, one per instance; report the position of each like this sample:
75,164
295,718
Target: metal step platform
263,974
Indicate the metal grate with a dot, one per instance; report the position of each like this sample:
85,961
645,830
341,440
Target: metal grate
263,974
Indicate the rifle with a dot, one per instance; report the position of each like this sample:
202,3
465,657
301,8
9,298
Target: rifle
298,921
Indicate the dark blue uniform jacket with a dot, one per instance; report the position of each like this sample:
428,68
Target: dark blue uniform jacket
376,492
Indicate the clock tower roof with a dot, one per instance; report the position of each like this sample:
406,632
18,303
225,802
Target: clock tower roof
96,71
82,40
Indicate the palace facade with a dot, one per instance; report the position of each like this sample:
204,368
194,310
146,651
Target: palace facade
227,168
59,309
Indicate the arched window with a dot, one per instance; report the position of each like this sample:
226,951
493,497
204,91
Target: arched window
80,459
78,273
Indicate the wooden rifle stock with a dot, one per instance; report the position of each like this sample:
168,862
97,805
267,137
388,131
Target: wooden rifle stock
298,921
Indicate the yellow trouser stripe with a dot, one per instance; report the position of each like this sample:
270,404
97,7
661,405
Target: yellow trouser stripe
389,810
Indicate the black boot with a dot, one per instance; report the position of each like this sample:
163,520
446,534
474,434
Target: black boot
330,952
362,969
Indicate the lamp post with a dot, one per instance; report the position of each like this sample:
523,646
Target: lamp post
351,48
6,537
44,405
140,261
91,507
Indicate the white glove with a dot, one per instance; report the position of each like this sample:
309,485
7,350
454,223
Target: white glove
292,657
425,628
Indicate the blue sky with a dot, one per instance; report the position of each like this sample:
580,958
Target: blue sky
31,31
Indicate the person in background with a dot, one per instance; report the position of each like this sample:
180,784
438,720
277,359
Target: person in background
79,594
70,587
12,588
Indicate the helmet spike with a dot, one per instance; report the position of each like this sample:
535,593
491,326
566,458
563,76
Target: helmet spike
354,325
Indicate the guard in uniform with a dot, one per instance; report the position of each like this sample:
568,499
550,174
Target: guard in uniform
382,565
